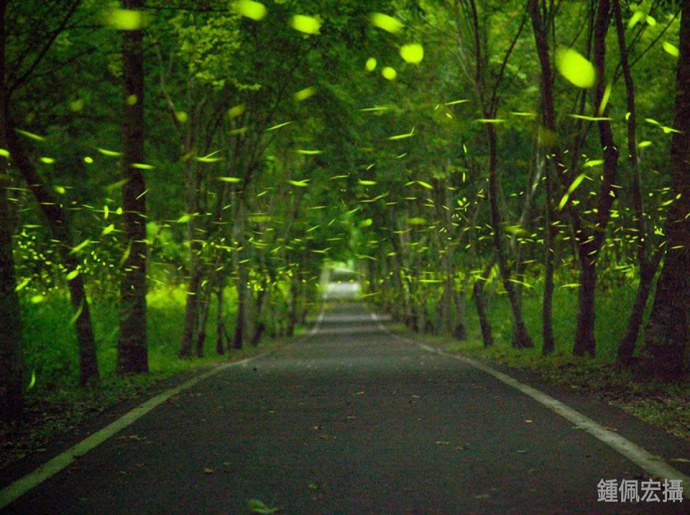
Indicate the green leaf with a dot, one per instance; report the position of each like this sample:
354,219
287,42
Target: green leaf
72,275
229,179
299,184
575,68
371,64
108,230
257,506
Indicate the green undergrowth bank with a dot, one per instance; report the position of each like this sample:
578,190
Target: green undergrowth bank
661,404
56,405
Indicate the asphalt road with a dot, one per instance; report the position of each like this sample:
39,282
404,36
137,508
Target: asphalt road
349,420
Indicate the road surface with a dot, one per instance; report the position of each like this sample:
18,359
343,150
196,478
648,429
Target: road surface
353,420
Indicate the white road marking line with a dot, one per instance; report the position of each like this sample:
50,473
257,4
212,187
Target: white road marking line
15,490
644,459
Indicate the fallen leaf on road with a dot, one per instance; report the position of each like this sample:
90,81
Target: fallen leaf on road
482,496
528,421
257,506
208,470
521,451
680,460
442,442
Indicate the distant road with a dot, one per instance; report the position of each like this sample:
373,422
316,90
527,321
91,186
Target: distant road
353,420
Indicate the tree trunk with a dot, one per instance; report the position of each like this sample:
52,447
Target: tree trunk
242,276
11,346
521,337
666,337
626,346
539,25
191,312
584,338
56,219
11,372
132,351
220,315
648,265
590,242
482,313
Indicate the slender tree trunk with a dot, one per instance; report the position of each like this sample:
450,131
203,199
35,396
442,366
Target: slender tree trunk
191,312
11,370
590,242
667,334
584,338
539,24
482,312
220,315
521,337
203,318
240,318
132,350
626,346
56,219
648,265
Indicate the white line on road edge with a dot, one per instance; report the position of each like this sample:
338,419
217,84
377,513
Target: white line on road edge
650,463
644,459
15,490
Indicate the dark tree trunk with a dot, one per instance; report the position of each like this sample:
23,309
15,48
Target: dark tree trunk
584,338
482,313
521,337
191,312
648,265
132,351
242,276
220,315
590,242
626,346
540,22
666,337
11,388
56,219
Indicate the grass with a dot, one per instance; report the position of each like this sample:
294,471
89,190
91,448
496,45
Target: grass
55,404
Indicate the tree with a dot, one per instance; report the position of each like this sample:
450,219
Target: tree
53,211
667,333
132,352
11,389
